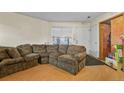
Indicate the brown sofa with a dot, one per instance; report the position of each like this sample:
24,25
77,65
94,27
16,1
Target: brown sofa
16,59
68,57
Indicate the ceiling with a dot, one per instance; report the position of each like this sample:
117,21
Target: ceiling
63,16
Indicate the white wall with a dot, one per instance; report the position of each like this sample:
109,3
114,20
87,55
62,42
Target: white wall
17,29
80,32
94,43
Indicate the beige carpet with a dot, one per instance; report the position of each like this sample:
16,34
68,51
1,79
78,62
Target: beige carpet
48,72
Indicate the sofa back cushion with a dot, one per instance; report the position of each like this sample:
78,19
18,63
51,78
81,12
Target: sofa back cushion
13,52
52,48
63,49
73,49
39,48
3,54
24,49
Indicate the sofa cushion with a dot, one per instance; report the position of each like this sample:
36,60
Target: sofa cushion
52,48
11,61
13,53
31,56
69,59
24,49
73,49
39,48
3,54
7,62
80,56
63,49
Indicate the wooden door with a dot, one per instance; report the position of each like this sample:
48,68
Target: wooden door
105,46
117,28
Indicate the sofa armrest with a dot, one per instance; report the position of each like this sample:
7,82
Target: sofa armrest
2,63
80,56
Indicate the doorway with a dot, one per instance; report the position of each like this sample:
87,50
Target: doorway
109,35
105,39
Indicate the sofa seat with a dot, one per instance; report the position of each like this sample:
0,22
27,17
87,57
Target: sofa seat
31,56
76,57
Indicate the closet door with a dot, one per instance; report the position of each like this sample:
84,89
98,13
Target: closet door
117,28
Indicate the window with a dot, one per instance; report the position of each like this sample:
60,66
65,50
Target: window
61,40
61,35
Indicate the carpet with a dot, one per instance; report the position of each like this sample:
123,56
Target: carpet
91,61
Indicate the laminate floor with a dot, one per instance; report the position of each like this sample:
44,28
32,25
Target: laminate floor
47,72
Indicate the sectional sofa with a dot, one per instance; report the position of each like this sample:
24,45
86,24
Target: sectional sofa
71,58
